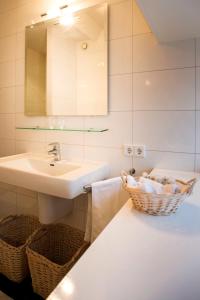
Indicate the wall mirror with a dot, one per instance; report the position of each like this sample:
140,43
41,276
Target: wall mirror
66,65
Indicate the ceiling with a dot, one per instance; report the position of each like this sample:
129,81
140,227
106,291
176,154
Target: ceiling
172,20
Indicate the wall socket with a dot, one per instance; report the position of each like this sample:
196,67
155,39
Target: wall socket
139,151
135,150
128,150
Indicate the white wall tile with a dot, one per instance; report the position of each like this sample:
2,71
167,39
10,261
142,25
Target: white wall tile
197,163
20,72
120,19
81,202
198,52
25,121
22,2
32,136
66,137
26,146
119,133
164,90
149,54
165,131
19,99
25,192
8,187
72,152
7,147
7,126
7,74
20,45
7,203
79,219
8,23
164,160
7,46
71,138
76,219
198,131
120,93
74,122
140,25
7,100
27,205
198,88
6,5
120,59
115,157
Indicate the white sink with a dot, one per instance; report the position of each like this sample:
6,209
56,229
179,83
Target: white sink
62,179
40,166
56,182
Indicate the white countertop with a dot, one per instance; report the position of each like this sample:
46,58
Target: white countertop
140,257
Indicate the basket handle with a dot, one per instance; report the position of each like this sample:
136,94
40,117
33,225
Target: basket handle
31,237
190,183
8,218
78,253
124,176
37,234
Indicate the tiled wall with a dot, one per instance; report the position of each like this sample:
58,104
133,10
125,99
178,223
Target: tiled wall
16,200
154,94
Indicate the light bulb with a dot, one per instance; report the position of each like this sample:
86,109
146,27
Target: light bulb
53,13
67,19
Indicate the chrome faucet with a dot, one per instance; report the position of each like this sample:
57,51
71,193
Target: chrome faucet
55,151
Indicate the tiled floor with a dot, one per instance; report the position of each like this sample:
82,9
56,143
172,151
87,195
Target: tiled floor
4,297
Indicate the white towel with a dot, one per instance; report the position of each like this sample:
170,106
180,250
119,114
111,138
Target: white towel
107,198
172,188
152,186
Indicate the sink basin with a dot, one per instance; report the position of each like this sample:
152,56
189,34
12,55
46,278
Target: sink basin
56,183
40,166
61,179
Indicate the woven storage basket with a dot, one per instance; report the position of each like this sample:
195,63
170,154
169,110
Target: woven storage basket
157,204
15,232
52,253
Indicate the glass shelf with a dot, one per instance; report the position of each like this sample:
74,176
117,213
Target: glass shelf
63,129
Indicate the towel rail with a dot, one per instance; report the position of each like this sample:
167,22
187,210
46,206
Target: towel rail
88,188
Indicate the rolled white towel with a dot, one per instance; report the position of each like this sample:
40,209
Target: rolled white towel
146,187
161,179
131,181
172,188
142,187
152,185
138,186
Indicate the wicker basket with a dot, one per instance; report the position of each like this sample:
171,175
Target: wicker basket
157,204
15,232
52,253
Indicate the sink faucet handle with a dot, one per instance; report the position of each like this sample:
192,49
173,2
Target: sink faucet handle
56,144
55,151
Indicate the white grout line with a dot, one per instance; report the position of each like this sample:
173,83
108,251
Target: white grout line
152,71
195,83
132,91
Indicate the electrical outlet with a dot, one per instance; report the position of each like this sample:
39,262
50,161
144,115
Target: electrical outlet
128,150
140,151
